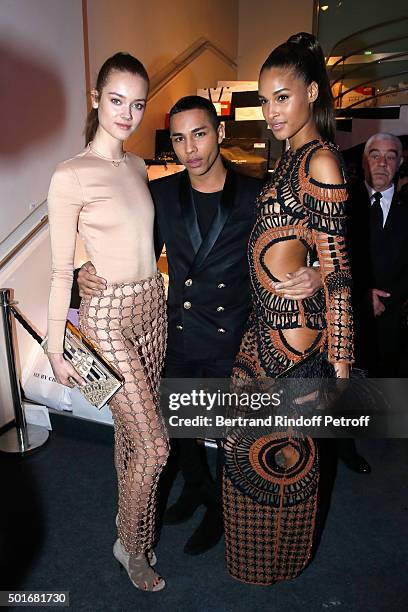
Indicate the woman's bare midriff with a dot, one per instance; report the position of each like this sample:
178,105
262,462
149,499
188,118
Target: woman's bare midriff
282,258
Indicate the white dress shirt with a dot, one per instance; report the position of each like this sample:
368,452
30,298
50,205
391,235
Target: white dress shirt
385,201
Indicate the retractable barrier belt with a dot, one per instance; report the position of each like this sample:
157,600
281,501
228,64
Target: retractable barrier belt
17,315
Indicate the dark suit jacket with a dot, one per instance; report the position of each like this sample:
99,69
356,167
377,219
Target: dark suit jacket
209,293
379,260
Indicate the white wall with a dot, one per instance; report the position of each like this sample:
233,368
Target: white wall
42,99
29,276
264,24
156,32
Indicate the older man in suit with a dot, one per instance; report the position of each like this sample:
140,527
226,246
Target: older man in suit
378,241
379,249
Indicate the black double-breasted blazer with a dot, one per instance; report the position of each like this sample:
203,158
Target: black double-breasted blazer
209,291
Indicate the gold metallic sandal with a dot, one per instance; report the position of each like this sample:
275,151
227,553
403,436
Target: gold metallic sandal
141,574
151,555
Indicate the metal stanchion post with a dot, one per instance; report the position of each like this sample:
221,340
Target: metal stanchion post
24,437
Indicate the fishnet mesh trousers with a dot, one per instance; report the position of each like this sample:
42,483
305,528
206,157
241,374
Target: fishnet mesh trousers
128,324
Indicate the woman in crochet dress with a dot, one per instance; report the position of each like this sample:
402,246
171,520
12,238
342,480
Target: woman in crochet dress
102,193
271,481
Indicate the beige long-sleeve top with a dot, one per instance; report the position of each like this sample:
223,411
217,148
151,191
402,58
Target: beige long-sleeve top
111,208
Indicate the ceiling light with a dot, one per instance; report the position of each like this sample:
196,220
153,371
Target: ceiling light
324,7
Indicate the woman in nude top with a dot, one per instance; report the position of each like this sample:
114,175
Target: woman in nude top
102,193
271,481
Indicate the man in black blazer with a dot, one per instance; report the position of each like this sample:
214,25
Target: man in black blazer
379,250
204,217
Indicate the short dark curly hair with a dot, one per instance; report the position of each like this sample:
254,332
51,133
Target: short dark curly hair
193,103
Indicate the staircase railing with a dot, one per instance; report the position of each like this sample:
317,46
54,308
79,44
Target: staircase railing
362,67
370,82
350,70
24,241
378,95
377,26
173,68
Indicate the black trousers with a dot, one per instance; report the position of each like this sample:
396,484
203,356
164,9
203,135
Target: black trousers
380,342
389,337
185,453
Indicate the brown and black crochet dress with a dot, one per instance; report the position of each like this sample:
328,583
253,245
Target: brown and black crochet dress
270,482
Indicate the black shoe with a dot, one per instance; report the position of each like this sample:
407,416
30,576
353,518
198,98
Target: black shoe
192,496
357,463
207,534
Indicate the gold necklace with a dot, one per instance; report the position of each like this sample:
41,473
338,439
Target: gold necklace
114,162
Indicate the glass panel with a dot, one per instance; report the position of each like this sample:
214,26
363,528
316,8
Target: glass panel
366,46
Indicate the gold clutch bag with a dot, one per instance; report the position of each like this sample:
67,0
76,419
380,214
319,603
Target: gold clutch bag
102,379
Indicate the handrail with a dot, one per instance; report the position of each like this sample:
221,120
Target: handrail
173,68
382,60
364,83
369,29
379,95
43,221
374,45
